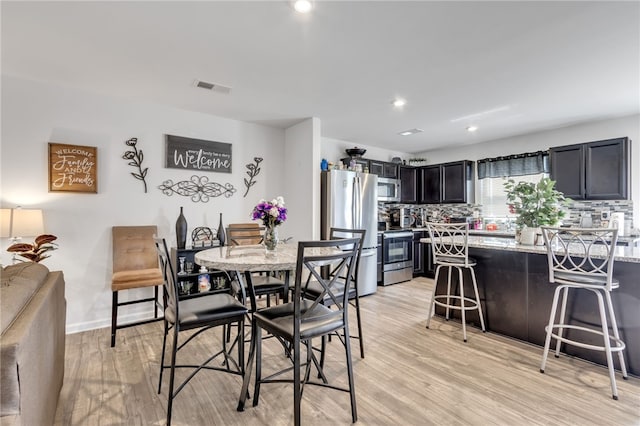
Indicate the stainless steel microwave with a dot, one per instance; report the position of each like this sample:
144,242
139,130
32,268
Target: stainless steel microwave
388,189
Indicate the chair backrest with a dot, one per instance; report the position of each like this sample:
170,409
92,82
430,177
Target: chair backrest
341,256
133,248
169,281
449,242
338,233
582,254
241,234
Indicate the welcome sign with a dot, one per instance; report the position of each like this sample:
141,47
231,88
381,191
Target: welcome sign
197,154
73,168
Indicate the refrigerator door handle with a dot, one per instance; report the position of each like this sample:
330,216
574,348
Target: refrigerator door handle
357,207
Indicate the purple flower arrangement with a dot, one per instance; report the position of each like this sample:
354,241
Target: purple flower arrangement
272,213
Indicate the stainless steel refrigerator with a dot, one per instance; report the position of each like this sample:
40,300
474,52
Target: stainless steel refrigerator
350,200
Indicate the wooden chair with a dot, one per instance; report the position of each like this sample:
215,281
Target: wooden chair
219,309
135,265
264,283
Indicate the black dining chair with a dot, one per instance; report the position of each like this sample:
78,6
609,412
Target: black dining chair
201,313
298,322
313,288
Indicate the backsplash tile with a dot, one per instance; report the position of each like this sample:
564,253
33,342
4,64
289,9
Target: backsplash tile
577,208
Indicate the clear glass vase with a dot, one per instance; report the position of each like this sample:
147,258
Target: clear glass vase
271,239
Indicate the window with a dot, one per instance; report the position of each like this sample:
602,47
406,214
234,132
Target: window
493,172
493,197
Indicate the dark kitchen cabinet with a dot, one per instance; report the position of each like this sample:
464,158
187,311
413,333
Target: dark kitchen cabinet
418,255
447,183
383,169
592,171
430,181
409,184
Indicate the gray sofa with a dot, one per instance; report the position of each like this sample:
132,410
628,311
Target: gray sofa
32,317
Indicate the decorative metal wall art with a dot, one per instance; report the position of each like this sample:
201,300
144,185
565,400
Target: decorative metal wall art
198,188
135,156
202,237
253,171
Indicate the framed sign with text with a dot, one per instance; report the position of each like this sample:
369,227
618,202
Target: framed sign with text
197,154
73,168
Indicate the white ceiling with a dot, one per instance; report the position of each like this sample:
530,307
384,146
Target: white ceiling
508,67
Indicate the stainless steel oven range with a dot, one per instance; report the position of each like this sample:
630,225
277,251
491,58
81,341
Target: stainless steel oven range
397,257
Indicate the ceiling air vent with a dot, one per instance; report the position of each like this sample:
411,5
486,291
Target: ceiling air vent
218,88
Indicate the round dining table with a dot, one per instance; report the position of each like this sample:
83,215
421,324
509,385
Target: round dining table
246,259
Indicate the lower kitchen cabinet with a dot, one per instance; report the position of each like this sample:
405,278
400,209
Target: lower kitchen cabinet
418,256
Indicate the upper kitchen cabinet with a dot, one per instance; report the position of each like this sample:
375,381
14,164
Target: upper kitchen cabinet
447,183
592,171
409,184
383,169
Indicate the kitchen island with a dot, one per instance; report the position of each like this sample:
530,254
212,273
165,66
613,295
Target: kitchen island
516,296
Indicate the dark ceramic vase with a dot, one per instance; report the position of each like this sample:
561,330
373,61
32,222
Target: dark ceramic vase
181,230
221,235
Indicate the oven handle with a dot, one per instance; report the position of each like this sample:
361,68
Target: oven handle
398,235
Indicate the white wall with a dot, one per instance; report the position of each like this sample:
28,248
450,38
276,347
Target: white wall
302,164
593,131
34,114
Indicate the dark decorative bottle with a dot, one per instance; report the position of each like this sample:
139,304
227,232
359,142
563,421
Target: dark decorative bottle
221,234
181,230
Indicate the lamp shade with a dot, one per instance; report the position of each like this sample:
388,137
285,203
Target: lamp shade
5,223
27,223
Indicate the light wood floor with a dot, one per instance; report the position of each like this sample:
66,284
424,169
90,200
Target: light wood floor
410,376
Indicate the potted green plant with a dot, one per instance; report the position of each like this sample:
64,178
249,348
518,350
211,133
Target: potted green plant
536,204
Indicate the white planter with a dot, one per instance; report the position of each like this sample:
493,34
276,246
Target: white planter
528,236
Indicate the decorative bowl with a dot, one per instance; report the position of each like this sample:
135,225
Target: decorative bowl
355,152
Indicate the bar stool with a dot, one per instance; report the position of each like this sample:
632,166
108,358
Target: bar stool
449,242
582,259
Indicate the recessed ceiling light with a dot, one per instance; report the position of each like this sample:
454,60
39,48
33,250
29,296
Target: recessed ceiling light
399,102
472,128
302,6
410,132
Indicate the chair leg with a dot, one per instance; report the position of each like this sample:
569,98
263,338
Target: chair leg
114,317
616,333
323,348
432,305
607,344
155,302
297,385
462,309
244,391
360,337
258,355
164,348
562,320
475,289
352,392
446,317
174,351
549,328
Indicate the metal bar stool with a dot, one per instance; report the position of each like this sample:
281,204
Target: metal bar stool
582,259
449,242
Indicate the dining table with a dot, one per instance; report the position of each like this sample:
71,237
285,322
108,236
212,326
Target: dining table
245,260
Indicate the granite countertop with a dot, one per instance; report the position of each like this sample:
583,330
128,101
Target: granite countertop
622,254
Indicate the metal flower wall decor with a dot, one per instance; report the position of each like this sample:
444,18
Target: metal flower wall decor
253,171
135,157
198,188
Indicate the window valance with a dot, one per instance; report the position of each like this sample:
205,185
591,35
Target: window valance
529,163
